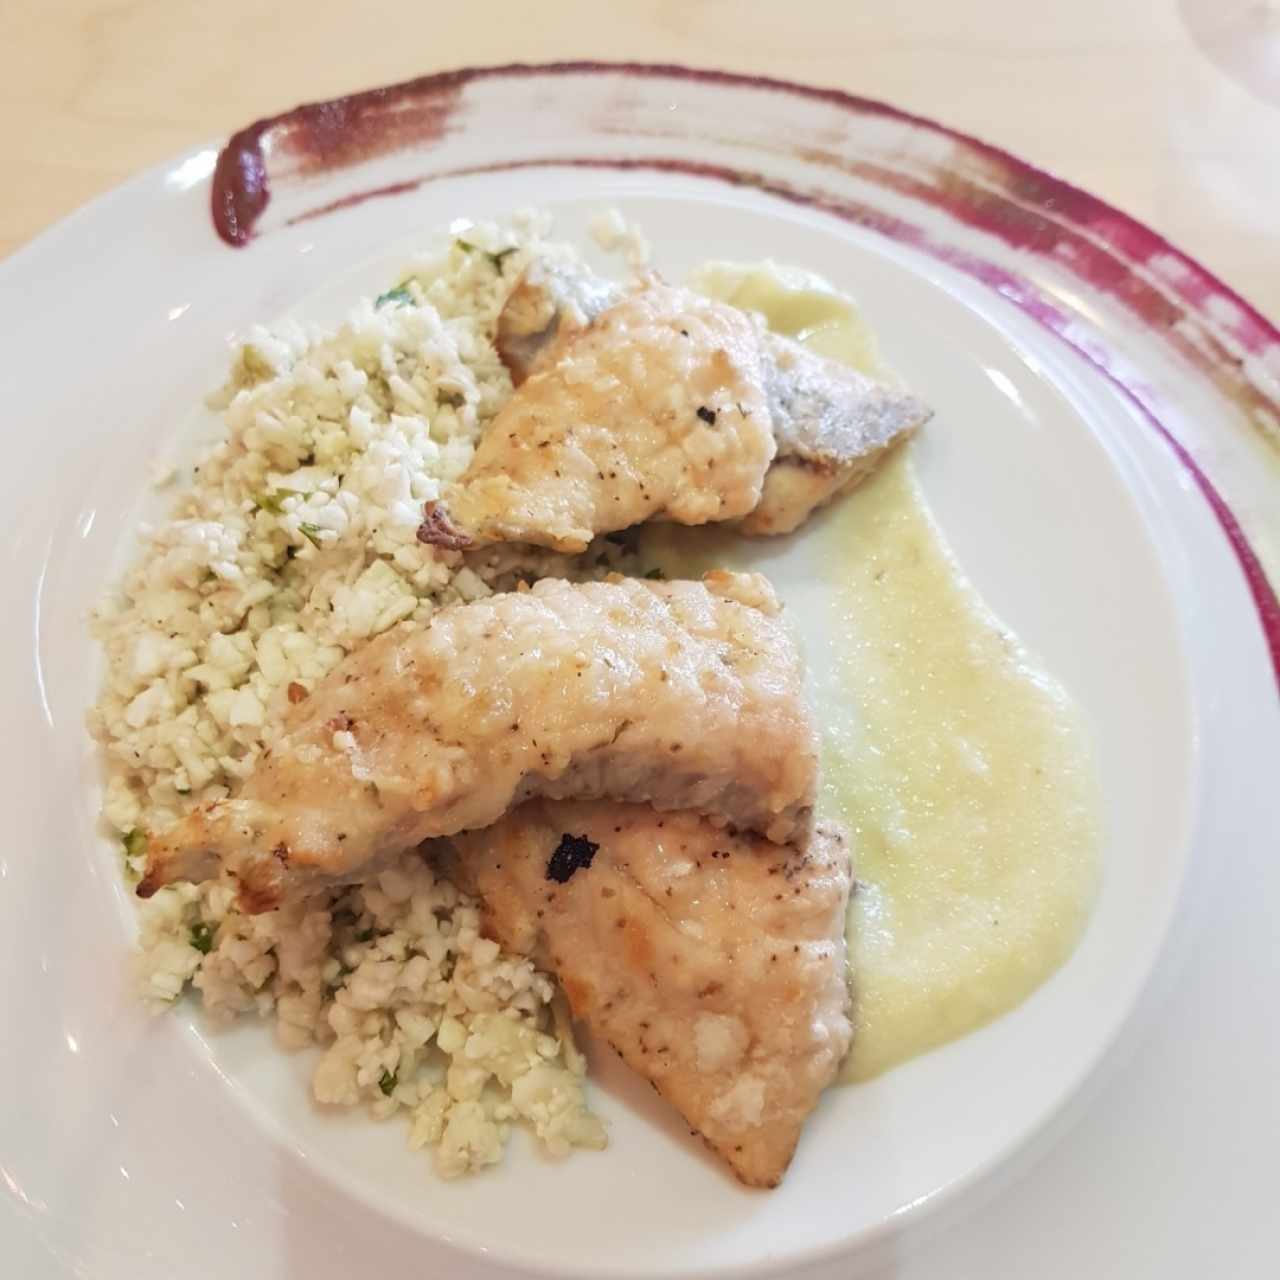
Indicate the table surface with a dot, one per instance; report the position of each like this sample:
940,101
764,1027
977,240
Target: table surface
1169,109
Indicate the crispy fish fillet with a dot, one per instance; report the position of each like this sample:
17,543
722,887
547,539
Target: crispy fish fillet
832,424
657,409
679,694
714,964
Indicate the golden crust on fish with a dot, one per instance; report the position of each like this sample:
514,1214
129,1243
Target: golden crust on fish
678,694
832,426
714,964
656,410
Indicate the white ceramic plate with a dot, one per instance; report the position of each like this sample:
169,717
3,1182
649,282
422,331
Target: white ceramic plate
1100,462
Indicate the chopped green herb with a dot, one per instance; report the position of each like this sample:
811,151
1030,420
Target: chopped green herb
202,937
273,500
135,843
311,532
400,295
387,1083
495,259
365,935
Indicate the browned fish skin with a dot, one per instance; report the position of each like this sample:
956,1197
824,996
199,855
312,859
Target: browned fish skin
833,426
656,410
550,301
714,964
679,694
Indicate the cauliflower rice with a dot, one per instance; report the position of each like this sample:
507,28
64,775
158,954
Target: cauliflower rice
294,543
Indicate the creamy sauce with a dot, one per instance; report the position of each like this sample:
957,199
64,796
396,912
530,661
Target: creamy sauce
961,770
965,778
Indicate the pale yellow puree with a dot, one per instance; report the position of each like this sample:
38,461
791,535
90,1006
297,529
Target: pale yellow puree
959,767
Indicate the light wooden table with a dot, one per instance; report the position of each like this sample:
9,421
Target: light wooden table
1168,108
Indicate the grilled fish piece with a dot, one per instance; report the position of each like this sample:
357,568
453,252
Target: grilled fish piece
832,425
713,963
684,695
552,299
657,409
